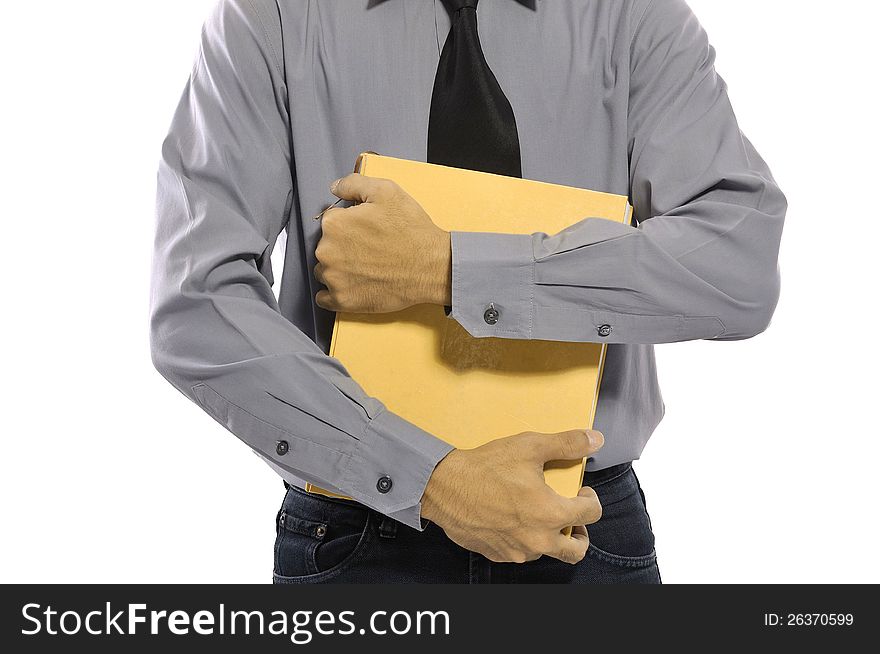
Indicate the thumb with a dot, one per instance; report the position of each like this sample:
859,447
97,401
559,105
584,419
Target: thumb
567,445
358,188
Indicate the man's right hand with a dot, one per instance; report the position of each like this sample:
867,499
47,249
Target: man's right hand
493,499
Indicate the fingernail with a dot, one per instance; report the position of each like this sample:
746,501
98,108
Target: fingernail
597,440
334,185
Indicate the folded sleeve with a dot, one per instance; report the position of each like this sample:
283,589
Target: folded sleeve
225,190
699,260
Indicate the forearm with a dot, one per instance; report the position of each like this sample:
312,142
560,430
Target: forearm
604,282
701,262
218,336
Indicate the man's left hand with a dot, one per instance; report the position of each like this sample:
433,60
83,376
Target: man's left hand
384,254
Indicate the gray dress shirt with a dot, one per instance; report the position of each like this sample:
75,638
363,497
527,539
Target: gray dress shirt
615,96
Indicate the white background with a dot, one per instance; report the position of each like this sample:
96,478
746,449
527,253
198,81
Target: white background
764,469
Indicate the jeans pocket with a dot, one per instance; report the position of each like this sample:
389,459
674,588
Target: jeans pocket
623,536
317,538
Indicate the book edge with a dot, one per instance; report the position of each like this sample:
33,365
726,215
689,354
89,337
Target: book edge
366,155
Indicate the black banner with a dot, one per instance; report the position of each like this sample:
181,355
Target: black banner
431,618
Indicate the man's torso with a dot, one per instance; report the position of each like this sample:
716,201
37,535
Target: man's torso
360,77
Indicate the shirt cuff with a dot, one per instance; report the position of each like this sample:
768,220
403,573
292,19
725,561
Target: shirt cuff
493,284
391,465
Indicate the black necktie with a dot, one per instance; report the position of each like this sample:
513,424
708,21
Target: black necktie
472,124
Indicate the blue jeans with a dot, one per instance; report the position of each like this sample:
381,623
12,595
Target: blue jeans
328,540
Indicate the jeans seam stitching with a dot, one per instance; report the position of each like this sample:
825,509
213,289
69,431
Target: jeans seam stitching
610,479
644,561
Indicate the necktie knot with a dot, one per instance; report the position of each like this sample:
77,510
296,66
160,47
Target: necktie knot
453,6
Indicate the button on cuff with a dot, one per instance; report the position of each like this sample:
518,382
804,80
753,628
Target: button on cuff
491,315
493,284
384,484
393,448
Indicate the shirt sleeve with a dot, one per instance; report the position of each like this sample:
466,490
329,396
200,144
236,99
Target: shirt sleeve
700,260
225,190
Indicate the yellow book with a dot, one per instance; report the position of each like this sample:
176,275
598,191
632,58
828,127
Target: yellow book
468,391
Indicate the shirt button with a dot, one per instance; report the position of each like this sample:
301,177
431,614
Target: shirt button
492,314
282,448
604,331
384,484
